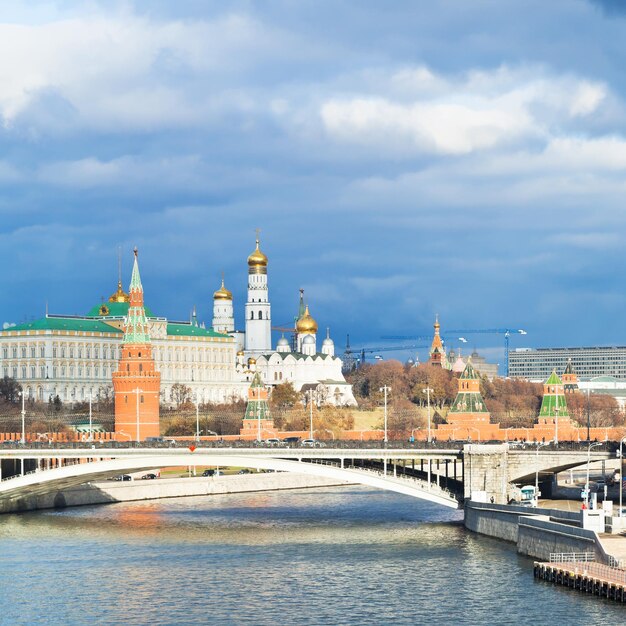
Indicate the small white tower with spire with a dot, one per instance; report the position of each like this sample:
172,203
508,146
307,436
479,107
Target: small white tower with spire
223,315
258,310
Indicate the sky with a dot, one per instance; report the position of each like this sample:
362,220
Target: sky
400,159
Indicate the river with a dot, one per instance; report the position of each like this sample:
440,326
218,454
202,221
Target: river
324,556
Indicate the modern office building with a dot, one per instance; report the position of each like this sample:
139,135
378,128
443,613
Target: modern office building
536,364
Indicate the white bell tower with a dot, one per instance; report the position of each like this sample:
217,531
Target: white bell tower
258,309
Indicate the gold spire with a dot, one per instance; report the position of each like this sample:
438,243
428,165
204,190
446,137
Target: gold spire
222,293
306,324
257,261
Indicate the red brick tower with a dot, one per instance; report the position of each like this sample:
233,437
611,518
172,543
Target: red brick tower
136,383
437,353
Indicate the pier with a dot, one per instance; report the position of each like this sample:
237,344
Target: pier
580,571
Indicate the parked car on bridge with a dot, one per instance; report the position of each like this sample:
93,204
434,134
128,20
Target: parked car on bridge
149,477
123,477
245,470
208,472
312,443
274,441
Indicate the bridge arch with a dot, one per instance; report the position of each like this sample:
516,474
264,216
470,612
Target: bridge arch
49,481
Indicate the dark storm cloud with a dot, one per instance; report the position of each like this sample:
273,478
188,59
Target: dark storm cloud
400,159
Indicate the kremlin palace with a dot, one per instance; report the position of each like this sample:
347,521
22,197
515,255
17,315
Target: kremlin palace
75,357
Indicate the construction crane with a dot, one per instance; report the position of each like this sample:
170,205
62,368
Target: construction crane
492,331
507,332
353,355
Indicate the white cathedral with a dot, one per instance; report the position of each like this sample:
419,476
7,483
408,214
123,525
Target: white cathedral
301,364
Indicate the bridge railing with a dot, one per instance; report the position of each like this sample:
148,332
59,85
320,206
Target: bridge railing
423,484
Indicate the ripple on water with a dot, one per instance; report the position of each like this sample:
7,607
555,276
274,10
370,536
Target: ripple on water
328,556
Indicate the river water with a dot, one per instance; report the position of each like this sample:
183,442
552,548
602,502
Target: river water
324,556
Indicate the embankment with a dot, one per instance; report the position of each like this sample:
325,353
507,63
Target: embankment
536,532
118,491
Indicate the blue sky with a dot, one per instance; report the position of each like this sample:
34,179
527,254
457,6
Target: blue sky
400,159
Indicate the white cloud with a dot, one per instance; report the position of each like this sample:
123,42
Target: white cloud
458,116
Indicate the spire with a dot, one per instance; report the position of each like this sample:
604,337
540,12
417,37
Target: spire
136,324
194,316
553,403
437,354
135,279
301,306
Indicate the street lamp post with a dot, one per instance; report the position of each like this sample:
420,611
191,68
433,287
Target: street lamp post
310,413
137,392
90,418
621,478
591,445
385,390
556,417
539,445
197,421
23,418
428,391
588,417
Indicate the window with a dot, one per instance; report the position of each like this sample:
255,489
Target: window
54,352
141,367
126,399
71,353
42,372
63,352
32,352
14,353
5,353
23,371
42,352
141,400
23,353
32,371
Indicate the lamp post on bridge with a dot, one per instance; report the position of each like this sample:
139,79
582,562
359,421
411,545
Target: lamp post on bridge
385,390
539,445
428,391
591,445
621,477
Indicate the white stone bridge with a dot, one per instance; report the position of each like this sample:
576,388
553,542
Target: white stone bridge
444,476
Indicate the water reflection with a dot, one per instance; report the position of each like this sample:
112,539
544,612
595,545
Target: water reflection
331,556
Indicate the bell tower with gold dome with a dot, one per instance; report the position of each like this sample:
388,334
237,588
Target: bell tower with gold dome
223,315
258,309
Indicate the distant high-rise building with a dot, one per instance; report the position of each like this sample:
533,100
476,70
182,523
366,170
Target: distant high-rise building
536,364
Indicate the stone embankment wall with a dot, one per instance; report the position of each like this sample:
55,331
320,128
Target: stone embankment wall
537,532
126,491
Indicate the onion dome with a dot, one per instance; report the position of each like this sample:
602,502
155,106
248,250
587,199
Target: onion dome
240,352
222,293
257,261
306,324
120,295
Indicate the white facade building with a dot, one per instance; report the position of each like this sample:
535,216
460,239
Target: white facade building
74,357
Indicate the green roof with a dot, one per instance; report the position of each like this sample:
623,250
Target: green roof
190,330
554,379
469,373
469,402
115,309
552,401
67,323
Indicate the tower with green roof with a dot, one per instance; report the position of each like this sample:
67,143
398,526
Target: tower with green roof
553,403
469,405
136,382
257,421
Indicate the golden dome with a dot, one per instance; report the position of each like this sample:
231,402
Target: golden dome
306,324
257,261
120,295
222,293
240,352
